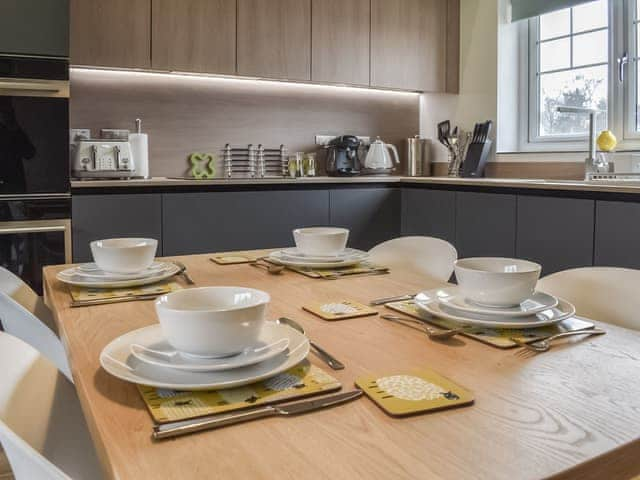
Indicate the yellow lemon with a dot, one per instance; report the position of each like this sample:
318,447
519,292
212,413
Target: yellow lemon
607,141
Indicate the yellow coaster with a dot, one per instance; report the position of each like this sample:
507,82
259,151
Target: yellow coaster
231,259
80,294
301,381
340,310
415,392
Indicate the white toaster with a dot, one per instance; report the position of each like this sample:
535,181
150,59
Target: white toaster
103,159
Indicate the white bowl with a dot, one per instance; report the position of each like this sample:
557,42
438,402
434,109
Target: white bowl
212,322
323,241
496,282
124,255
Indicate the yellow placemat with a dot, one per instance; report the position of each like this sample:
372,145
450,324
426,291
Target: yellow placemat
301,381
414,392
364,268
234,258
497,337
79,294
339,310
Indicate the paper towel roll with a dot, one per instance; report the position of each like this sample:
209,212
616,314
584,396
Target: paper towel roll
140,152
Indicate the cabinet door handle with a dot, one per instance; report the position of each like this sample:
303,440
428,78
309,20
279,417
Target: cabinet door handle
14,230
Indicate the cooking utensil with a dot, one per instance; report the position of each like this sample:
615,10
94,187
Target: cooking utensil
443,132
397,298
543,345
432,333
322,353
183,272
103,301
174,429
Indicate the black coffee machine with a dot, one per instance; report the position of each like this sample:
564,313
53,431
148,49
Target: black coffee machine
342,156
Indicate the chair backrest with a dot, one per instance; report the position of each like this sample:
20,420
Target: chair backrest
21,323
42,429
22,293
606,294
429,256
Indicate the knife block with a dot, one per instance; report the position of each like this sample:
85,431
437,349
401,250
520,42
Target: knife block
476,159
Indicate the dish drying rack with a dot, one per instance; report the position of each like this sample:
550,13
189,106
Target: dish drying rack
255,161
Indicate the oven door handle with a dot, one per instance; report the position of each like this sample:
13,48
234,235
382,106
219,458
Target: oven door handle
19,87
14,230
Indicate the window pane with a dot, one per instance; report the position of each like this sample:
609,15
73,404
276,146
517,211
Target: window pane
590,48
590,15
555,24
585,87
555,55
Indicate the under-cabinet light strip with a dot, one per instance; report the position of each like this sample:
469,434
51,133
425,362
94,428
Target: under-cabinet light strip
222,78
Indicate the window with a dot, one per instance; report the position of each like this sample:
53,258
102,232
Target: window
584,56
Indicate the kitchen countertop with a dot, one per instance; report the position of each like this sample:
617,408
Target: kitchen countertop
575,185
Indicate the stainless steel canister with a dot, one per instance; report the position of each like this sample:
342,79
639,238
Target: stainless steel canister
418,157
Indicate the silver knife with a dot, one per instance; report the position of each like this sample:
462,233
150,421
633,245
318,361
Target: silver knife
173,429
399,298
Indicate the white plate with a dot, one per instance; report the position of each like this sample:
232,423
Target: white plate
81,281
116,358
538,302
428,302
272,341
282,259
91,270
346,254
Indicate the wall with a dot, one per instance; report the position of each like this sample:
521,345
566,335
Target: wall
184,114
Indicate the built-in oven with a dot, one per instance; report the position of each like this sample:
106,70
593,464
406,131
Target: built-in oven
35,200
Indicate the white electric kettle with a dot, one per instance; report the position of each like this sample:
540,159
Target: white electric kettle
378,159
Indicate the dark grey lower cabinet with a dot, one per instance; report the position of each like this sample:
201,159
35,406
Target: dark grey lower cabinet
431,213
217,221
106,216
371,214
555,232
617,234
485,224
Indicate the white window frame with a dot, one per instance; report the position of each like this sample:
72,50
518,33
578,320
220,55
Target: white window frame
621,97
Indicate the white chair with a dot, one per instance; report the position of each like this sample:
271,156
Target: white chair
606,294
21,312
22,293
42,428
428,256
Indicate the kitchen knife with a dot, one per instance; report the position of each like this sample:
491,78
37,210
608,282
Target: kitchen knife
173,429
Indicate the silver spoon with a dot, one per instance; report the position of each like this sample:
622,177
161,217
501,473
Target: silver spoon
323,354
273,269
432,333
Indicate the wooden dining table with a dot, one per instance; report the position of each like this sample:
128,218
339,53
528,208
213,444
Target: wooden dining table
572,412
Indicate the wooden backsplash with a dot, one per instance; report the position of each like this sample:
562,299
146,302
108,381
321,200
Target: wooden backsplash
190,114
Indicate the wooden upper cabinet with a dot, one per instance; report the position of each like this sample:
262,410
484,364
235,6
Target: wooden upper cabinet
340,41
194,35
409,44
274,38
111,33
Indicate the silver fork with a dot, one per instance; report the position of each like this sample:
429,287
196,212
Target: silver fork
183,272
543,345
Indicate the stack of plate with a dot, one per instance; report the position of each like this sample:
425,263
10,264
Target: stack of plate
90,275
144,356
295,258
539,310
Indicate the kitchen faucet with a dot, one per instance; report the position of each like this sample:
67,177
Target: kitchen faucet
591,163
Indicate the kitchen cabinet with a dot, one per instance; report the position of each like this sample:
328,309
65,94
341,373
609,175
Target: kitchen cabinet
340,41
194,35
555,232
95,217
217,221
429,212
34,27
409,48
485,224
617,235
111,33
274,38
371,214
